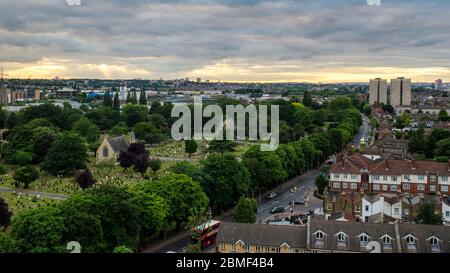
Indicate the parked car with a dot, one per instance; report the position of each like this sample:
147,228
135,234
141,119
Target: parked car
296,203
277,210
271,195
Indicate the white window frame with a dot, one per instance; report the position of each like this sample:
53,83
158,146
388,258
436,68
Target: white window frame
316,235
376,187
420,187
444,188
394,188
410,240
341,237
364,239
406,186
386,239
432,188
353,186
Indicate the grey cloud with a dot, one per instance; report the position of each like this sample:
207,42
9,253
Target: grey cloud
180,36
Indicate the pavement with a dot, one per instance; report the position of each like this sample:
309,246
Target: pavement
34,193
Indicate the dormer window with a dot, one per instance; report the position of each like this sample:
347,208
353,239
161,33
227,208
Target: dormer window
387,241
341,239
411,241
363,239
319,235
434,243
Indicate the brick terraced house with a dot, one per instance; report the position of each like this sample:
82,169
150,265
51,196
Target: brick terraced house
359,173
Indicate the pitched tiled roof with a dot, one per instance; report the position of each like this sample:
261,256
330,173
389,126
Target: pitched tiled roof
423,233
352,230
355,163
118,144
261,234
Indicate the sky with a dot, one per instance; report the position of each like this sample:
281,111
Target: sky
227,40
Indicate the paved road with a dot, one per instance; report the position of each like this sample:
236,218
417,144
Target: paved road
306,186
35,193
363,132
164,158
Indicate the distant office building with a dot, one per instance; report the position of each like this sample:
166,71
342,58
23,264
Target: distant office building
199,80
400,92
378,91
11,96
438,86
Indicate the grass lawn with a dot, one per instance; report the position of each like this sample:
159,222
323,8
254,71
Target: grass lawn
176,149
18,203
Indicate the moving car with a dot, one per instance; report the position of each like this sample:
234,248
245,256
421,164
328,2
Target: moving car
271,195
296,203
277,210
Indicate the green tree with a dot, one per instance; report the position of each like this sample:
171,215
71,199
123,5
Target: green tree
5,214
427,214
226,180
443,147
8,244
134,114
119,214
41,140
148,132
67,154
85,128
321,183
155,165
116,103
155,212
134,100
107,102
143,98
122,250
3,117
245,210
119,129
25,176
307,99
265,168
221,146
39,230
21,158
183,195
12,121
190,147
443,115
83,226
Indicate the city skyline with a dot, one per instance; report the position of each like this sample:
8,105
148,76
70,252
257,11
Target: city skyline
232,41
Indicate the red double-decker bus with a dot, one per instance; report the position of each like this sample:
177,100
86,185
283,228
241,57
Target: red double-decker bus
206,233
